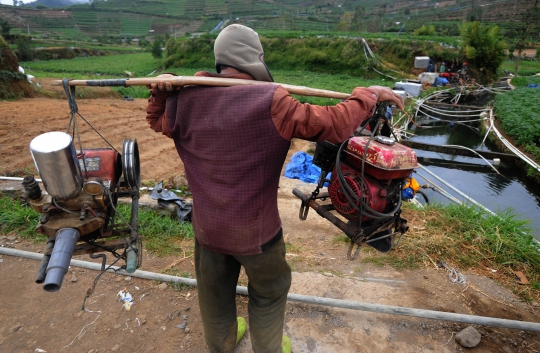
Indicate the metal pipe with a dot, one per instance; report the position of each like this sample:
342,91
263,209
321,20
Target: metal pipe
338,303
132,251
456,190
17,179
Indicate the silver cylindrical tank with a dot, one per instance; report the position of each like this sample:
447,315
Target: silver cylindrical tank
57,164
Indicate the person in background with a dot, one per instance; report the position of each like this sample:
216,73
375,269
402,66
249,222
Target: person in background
464,72
233,142
431,66
442,69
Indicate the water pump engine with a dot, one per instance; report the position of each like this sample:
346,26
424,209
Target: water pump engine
364,187
78,208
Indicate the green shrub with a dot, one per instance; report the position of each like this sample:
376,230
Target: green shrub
425,30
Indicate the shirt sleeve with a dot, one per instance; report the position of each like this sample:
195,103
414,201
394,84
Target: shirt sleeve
319,123
156,115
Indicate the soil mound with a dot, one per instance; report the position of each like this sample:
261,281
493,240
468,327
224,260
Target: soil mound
13,84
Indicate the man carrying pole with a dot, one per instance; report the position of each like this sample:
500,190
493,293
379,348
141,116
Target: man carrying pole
233,142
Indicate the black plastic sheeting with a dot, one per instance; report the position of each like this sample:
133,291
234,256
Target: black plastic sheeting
166,197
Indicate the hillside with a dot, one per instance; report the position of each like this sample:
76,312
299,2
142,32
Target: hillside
141,18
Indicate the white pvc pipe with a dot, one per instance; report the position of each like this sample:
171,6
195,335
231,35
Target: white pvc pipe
16,179
338,303
456,190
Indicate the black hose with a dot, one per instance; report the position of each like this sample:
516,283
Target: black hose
424,195
349,193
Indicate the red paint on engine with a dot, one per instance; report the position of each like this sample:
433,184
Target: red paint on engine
102,163
382,161
369,191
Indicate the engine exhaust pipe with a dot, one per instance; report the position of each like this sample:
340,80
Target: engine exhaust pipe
42,271
66,238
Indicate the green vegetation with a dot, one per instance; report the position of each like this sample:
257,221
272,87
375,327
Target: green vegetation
13,84
325,54
523,32
140,64
526,67
160,234
425,31
484,50
517,112
18,218
466,237
522,81
156,50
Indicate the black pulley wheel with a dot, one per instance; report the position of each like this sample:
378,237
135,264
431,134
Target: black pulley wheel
131,164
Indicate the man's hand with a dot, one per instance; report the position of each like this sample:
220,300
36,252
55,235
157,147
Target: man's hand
386,94
162,84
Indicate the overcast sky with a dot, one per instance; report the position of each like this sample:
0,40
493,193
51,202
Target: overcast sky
10,2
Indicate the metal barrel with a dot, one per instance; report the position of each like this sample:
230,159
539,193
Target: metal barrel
66,238
55,158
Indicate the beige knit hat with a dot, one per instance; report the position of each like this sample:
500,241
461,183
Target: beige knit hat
239,47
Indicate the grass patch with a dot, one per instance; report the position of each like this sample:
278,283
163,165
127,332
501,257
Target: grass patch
467,238
524,81
160,234
17,218
140,64
341,239
526,67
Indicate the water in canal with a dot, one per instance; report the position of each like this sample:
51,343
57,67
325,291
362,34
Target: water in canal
472,176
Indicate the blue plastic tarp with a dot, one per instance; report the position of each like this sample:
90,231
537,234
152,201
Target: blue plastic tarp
440,81
534,85
301,167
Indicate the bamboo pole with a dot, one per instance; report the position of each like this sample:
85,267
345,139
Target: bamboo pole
307,299
180,81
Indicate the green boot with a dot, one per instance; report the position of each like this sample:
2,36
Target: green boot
286,346
241,329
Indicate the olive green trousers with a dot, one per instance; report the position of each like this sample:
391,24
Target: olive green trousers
269,278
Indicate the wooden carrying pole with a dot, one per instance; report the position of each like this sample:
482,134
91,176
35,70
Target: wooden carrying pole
180,81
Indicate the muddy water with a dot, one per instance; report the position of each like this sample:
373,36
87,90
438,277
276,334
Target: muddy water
473,176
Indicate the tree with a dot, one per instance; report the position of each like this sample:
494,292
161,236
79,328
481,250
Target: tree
24,49
157,52
523,32
483,48
358,18
5,27
345,22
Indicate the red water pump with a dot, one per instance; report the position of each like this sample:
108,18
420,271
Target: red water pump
365,185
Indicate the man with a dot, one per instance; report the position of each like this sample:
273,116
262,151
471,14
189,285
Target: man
233,142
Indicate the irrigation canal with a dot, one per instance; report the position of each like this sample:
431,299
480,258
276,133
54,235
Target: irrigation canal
473,176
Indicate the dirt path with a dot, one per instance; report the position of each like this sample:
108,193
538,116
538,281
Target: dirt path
32,319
